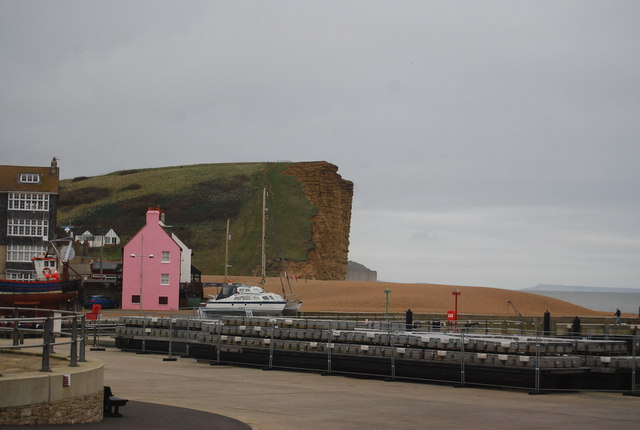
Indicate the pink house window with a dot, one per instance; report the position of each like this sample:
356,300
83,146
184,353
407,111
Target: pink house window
164,279
166,257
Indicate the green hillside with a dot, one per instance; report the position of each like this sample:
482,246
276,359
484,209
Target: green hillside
197,201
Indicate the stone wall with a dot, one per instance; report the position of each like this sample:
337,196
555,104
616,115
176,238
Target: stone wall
83,409
332,197
65,395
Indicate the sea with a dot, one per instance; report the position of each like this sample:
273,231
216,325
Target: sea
598,301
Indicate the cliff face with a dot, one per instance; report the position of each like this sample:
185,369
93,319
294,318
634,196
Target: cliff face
332,197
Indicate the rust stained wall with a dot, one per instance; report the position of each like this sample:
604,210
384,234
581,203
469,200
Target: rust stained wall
332,196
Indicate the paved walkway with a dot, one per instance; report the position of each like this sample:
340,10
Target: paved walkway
270,400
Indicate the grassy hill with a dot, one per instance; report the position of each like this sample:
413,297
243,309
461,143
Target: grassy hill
197,201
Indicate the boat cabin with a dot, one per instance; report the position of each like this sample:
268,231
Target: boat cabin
46,268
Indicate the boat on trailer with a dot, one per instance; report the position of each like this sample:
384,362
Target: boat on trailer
241,299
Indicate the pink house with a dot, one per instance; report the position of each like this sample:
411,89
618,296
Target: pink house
151,268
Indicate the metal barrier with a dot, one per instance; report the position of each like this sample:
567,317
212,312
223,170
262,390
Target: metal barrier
44,326
380,349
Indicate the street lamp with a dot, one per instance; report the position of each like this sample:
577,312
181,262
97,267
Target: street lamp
456,293
142,257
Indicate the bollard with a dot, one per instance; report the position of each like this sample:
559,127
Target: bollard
408,319
575,327
74,343
546,329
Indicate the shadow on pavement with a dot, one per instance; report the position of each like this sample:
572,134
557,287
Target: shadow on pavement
139,415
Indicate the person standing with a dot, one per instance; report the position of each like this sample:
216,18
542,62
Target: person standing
618,315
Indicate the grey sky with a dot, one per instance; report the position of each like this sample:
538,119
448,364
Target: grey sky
490,142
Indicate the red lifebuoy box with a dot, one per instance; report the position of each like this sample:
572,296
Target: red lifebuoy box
451,315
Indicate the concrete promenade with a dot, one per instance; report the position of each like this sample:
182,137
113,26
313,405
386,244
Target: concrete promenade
269,400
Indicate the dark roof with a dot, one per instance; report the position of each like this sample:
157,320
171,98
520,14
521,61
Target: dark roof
10,176
107,265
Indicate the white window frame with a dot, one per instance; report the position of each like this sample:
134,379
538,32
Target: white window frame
24,253
27,227
166,257
164,279
30,178
29,202
21,275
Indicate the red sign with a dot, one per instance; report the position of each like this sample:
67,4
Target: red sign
451,315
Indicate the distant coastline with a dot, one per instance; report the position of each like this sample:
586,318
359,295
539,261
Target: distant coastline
627,302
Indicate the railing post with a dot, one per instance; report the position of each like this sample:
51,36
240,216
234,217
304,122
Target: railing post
329,350
170,357
219,340
273,331
634,351
462,376
83,338
16,328
52,336
187,352
392,343
537,376
96,336
74,342
144,335
46,344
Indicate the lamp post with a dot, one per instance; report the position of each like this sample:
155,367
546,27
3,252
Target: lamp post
456,293
142,257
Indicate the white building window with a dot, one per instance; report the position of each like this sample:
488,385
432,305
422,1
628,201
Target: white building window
164,279
24,253
166,257
29,178
29,201
21,275
27,227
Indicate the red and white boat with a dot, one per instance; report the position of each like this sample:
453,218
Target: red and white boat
49,290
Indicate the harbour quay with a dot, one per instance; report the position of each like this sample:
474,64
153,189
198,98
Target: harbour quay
373,349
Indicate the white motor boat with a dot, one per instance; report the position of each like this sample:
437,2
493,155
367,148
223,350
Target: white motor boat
241,299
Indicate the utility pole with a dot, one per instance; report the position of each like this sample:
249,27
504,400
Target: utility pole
226,254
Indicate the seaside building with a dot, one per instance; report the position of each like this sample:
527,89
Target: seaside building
28,203
155,262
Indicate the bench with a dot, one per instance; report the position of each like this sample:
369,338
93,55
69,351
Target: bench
112,403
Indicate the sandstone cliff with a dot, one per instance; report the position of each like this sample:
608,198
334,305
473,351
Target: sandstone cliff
332,196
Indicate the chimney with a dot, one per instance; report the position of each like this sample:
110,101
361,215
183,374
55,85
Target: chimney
153,216
54,167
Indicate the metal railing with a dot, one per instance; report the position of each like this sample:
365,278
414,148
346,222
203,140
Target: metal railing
47,327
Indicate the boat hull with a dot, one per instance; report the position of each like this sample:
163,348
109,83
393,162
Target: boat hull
46,294
292,307
256,309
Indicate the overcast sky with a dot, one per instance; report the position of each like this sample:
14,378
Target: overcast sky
491,143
